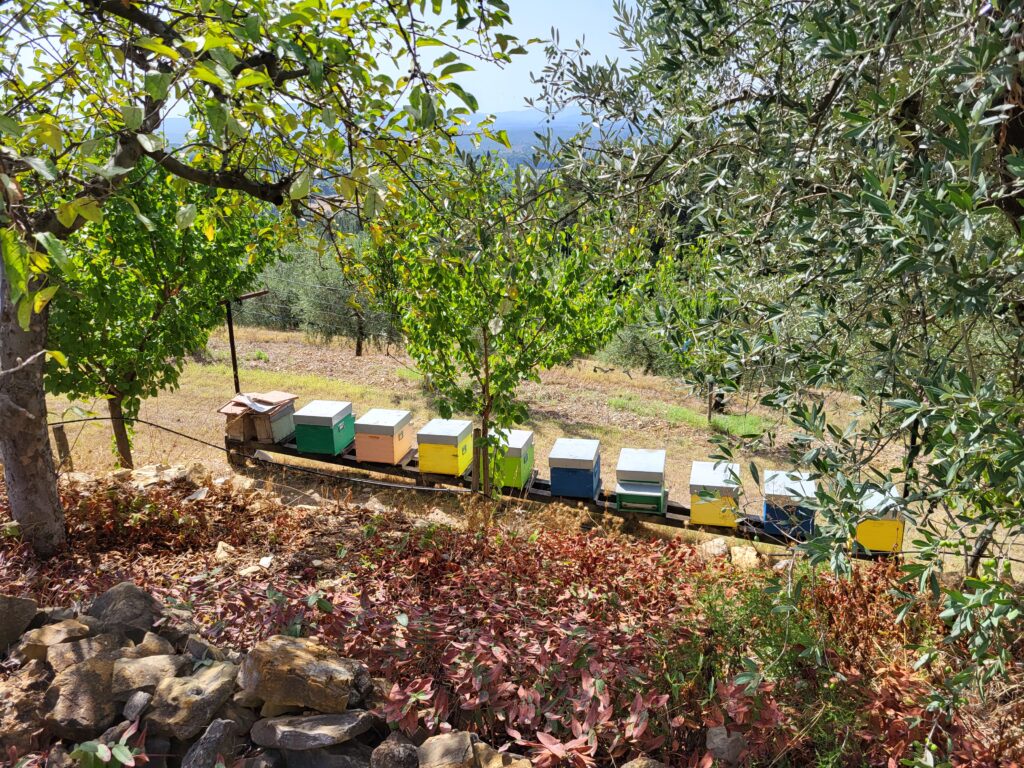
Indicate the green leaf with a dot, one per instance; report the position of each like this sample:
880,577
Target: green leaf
185,216
10,126
44,168
133,116
157,84
300,186
58,357
150,142
123,755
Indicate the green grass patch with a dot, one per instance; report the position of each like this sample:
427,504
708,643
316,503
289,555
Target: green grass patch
409,374
727,424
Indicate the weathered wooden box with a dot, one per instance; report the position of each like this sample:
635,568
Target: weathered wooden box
383,436
324,426
786,511
575,468
714,493
445,447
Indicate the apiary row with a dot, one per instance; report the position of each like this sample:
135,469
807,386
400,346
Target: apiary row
445,447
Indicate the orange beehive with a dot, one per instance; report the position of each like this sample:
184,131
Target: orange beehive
383,436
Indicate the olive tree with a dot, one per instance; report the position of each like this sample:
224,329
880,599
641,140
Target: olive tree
313,107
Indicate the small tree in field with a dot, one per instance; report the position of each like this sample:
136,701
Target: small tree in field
499,283
143,297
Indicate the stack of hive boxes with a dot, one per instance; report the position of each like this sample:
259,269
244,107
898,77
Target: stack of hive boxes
575,468
786,497
265,418
640,480
714,492
325,427
383,436
884,532
514,463
446,447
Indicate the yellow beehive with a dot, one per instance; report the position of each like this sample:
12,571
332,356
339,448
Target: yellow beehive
719,480
445,447
884,532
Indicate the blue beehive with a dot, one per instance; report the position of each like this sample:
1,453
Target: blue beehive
575,468
786,510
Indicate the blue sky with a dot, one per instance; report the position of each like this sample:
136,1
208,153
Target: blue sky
504,89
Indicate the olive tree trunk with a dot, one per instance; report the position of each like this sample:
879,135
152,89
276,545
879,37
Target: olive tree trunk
29,471
115,407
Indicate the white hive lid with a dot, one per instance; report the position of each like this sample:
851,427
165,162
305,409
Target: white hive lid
643,465
880,503
444,431
639,489
574,453
382,421
787,487
516,441
323,413
720,477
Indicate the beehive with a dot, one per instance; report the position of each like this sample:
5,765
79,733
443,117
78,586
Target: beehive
324,426
383,436
786,511
514,462
640,480
446,447
884,532
714,491
575,468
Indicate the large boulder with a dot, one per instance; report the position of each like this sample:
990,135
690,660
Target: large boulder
144,674
125,607
22,708
487,756
16,613
78,702
726,748
311,732
293,671
448,750
63,655
393,753
36,642
351,754
218,744
150,645
745,557
183,706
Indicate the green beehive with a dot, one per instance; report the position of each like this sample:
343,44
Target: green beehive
640,481
515,463
325,427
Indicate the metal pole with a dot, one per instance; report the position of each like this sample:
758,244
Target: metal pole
234,353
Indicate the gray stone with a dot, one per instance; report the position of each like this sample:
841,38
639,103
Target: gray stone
22,708
744,557
709,550
176,625
16,613
311,732
199,649
724,747
35,643
150,645
183,706
395,754
294,671
127,608
78,701
448,750
219,740
243,717
158,750
136,705
269,759
58,757
63,655
644,762
51,615
351,754
115,733
144,674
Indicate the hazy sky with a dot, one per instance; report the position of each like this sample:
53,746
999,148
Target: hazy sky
503,90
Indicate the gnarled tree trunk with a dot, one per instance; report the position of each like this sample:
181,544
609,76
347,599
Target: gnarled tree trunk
24,440
115,406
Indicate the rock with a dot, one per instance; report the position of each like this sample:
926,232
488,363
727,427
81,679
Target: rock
487,756
218,743
150,645
115,733
783,565
197,474
295,671
709,550
78,701
395,754
351,754
22,707
436,519
224,552
136,705
183,706
176,625
144,674
199,649
158,749
35,643
198,494
58,757
448,750
243,717
276,710
266,562
63,655
16,613
269,759
377,507
121,475
245,699
250,570
311,732
128,608
644,762
744,557
724,747
50,615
